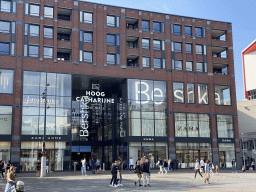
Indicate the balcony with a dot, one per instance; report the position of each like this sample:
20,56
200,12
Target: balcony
132,60
132,42
220,68
63,34
132,23
218,35
64,14
63,54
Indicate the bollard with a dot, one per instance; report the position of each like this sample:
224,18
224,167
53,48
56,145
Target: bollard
103,167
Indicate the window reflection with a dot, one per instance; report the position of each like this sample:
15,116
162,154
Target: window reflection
6,81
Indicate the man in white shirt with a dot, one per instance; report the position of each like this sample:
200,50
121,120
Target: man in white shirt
202,163
131,164
83,168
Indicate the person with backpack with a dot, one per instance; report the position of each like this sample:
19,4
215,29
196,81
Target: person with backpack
139,172
160,163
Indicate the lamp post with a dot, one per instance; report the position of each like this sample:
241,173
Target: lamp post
43,158
243,147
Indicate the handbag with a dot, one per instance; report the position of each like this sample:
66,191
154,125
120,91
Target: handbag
118,176
207,176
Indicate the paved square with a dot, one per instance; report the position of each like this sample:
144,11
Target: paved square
180,180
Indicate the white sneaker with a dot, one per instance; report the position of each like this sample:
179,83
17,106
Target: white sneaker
120,185
115,186
110,185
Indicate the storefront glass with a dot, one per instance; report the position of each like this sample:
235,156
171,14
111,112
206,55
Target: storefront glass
6,120
6,81
188,153
226,154
192,125
58,112
5,151
31,152
225,126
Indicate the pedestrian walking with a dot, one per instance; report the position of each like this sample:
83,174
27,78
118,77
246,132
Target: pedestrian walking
1,169
172,165
98,166
202,164
10,186
83,167
131,163
253,165
217,169
114,172
169,164
207,172
138,172
38,167
165,166
211,168
243,168
233,166
160,164
197,169
47,165
119,177
146,173
92,164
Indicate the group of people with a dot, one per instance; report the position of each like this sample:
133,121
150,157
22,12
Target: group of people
4,167
95,166
206,168
8,173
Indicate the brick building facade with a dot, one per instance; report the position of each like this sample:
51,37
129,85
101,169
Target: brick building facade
122,82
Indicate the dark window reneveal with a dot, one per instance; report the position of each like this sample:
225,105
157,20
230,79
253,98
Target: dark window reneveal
48,12
88,56
48,52
145,25
188,48
199,49
32,9
111,59
177,65
111,40
177,29
198,31
33,51
5,48
145,44
145,61
188,31
189,65
177,47
34,30
88,37
157,45
157,27
157,63
5,27
48,32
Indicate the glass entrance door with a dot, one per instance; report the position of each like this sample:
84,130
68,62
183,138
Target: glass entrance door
192,156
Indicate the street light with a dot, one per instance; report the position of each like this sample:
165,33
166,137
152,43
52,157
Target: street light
43,158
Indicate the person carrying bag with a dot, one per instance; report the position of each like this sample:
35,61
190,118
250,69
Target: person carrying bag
10,186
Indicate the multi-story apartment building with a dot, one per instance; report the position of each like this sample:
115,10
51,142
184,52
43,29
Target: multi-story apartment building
120,82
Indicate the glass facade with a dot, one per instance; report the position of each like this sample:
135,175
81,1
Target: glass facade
6,81
6,120
147,108
226,154
58,112
188,153
5,147
225,126
192,125
222,95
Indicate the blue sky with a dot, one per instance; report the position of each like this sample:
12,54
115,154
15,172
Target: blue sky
241,13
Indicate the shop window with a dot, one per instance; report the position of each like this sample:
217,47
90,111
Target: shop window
6,81
191,92
225,126
178,92
48,52
85,17
177,65
145,25
188,31
176,29
88,37
145,61
5,26
203,94
226,154
4,48
111,59
145,43
88,56
111,40
48,32
48,12
222,95
5,149
113,21
6,119
189,65
32,9
188,48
